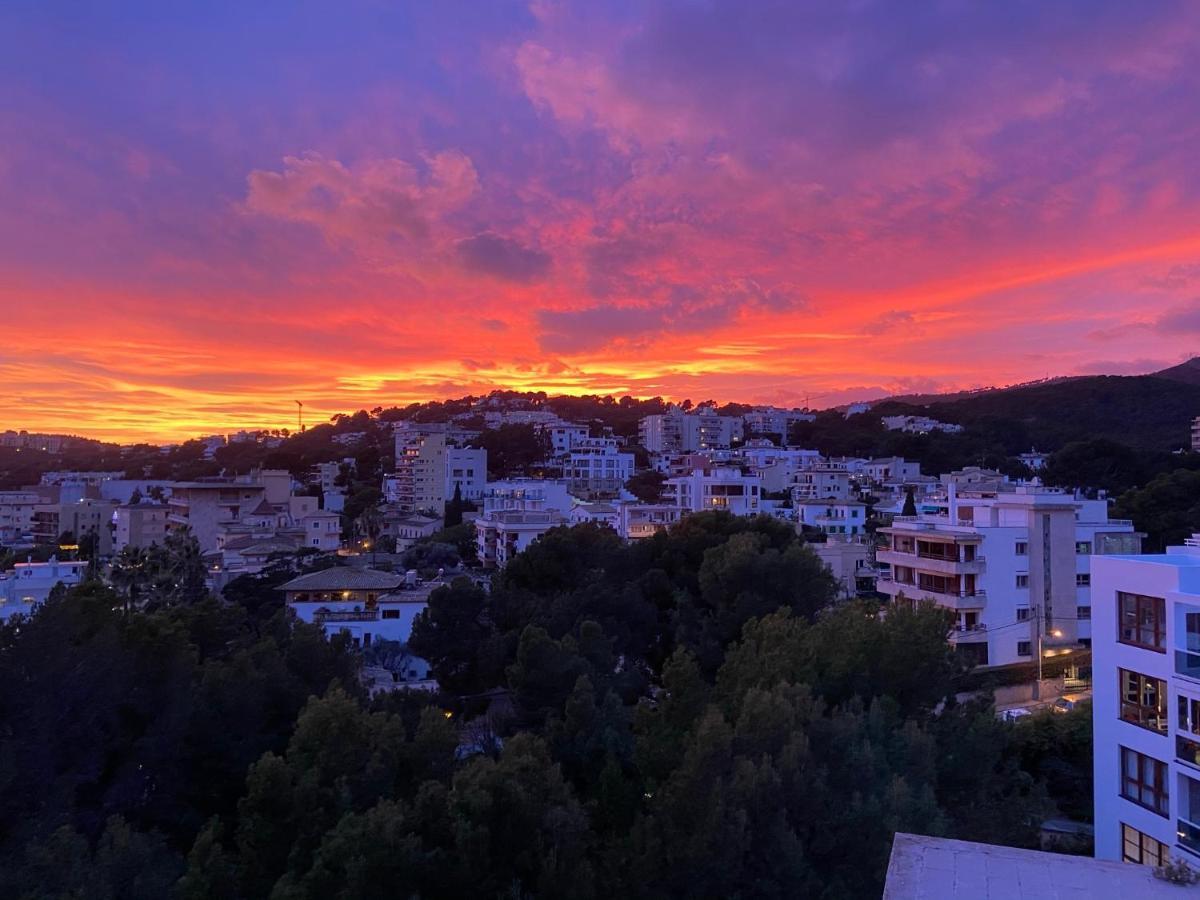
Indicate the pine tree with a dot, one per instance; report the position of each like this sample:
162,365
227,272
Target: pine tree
454,509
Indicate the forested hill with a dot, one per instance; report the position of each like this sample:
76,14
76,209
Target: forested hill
1146,412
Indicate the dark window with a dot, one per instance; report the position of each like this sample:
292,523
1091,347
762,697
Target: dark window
1023,614
1189,714
1144,781
1143,700
1142,849
1083,612
1023,649
391,613
1141,620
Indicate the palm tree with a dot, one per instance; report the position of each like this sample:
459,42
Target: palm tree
128,570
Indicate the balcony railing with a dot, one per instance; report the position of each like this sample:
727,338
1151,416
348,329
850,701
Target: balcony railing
969,629
1189,835
360,615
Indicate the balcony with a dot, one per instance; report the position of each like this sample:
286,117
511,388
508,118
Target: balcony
935,564
949,599
965,633
358,615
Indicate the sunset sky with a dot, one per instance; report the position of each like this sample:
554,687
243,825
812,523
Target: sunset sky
210,210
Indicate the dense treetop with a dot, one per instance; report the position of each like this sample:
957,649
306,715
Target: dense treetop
689,716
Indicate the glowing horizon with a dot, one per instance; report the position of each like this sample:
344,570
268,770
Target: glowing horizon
210,213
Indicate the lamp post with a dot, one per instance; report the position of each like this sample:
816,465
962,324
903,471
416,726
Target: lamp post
1056,633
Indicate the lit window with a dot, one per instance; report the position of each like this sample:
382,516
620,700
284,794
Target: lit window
1142,849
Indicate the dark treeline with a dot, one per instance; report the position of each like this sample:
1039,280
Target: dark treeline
687,716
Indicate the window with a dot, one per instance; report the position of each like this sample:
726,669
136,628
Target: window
1082,579
1022,548
1083,547
1022,613
1143,700
1141,620
1142,849
1083,612
1023,649
391,613
1144,781
1023,581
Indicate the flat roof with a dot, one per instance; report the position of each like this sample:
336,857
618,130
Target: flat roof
1179,560
929,868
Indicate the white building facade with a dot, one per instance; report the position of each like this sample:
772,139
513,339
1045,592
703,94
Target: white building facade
722,487
1013,566
1146,705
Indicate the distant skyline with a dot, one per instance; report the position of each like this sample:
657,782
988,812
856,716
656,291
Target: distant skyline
209,211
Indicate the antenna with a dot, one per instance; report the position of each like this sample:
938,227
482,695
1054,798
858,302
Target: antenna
300,415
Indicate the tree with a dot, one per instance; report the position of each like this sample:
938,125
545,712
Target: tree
647,485
1167,509
450,634
910,503
454,509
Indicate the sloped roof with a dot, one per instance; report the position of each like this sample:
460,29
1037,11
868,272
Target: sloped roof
263,509
344,578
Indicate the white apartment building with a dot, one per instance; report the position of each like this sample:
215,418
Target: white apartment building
821,482
466,469
643,520
139,525
420,478
27,584
16,516
773,420
723,487
1013,565
676,431
1146,705
565,436
597,466
849,561
207,507
836,517
918,425
891,470
517,512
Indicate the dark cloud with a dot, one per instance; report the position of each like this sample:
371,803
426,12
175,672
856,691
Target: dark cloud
681,309
1180,320
501,257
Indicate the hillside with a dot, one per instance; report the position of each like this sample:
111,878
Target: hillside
1147,412
1187,373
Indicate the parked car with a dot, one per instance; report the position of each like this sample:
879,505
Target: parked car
1066,703
1011,715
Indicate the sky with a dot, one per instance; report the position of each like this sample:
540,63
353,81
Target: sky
210,210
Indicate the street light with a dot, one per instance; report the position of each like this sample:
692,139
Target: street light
1054,633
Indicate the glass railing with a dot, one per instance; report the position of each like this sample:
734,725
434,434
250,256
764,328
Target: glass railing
1188,834
1187,751
1187,664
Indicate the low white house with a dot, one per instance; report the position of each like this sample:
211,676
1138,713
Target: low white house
29,583
833,516
366,604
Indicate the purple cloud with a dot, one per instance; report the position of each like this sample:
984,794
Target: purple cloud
501,257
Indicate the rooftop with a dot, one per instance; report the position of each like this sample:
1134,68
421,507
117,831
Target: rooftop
929,868
344,578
